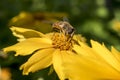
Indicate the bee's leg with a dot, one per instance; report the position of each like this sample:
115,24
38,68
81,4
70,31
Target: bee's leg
69,38
61,33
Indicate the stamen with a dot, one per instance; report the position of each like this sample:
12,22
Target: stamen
61,42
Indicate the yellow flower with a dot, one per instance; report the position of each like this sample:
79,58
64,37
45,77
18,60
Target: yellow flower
49,49
93,63
116,25
39,21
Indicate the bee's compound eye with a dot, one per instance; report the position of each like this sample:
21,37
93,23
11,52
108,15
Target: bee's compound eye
71,30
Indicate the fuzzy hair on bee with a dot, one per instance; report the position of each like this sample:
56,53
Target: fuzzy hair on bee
65,28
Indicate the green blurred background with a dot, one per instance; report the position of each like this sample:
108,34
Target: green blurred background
94,19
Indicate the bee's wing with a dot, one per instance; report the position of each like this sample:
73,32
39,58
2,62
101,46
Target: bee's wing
65,19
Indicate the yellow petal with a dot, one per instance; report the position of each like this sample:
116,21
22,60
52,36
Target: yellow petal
28,46
49,35
115,53
84,68
79,37
22,33
41,59
105,54
57,64
85,50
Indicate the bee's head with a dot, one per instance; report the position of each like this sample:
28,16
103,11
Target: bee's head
58,26
64,27
68,28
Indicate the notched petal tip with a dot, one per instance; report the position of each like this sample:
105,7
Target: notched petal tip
25,73
114,50
40,60
92,41
24,33
25,70
29,46
22,66
7,49
79,37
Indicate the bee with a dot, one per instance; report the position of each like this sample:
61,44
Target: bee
65,28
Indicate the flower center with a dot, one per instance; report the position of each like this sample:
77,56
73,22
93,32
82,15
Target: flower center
61,41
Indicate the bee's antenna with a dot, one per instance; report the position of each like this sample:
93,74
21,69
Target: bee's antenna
48,22
65,19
